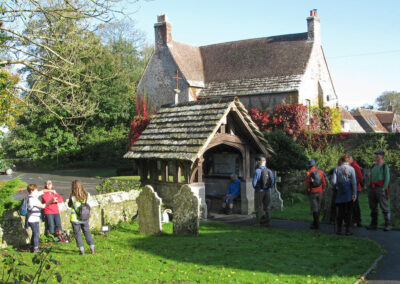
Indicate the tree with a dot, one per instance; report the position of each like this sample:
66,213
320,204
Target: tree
41,133
389,98
40,35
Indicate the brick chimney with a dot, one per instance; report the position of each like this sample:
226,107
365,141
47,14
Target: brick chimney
163,31
314,27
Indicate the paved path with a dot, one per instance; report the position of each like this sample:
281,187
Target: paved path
61,180
388,270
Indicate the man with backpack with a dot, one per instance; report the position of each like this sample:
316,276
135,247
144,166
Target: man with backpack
356,214
263,180
315,185
378,192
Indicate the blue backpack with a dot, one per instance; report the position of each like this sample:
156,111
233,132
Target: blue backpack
23,210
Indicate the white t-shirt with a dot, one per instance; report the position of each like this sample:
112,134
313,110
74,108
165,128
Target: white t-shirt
33,202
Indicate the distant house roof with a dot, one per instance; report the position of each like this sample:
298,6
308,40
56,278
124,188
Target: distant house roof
253,66
369,120
183,131
349,123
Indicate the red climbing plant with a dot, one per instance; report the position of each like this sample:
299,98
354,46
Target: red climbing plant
140,121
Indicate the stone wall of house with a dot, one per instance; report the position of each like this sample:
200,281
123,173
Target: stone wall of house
106,209
157,82
317,76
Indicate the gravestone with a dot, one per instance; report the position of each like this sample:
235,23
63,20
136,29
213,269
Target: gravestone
276,199
149,209
186,210
395,200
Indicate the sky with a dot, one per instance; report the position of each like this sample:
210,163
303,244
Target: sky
361,38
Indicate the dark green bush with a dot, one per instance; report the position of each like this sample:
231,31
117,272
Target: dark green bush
288,155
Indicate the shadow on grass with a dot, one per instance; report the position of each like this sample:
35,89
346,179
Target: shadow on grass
264,250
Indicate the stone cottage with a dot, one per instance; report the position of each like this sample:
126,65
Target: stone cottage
200,143
262,72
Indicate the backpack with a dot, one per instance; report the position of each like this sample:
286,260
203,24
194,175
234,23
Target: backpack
315,179
84,211
23,210
265,180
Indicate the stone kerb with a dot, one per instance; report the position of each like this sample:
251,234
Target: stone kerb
186,211
149,207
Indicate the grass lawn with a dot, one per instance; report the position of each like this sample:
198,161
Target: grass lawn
221,254
301,211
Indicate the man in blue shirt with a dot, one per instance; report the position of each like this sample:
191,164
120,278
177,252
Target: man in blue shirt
232,192
262,194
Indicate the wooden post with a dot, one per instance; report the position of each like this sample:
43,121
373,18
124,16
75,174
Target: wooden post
153,170
200,170
179,172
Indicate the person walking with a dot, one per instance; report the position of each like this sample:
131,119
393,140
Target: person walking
378,192
356,212
34,214
52,212
78,198
263,180
344,180
315,185
232,192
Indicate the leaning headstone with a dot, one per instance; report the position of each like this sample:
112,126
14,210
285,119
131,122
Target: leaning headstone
276,199
186,210
149,209
395,200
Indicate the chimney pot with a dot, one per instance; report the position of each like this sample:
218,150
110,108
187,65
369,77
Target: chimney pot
313,13
163,31
162,18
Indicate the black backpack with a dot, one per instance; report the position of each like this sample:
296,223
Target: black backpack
315,179
84,211
265,180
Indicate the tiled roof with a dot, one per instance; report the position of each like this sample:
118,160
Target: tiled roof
272,64
385,117
345,114
180,132
368,120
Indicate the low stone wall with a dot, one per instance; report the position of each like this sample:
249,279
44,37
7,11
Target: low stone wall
106,209
292,182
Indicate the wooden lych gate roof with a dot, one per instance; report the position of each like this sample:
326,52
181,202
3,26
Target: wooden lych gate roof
183,131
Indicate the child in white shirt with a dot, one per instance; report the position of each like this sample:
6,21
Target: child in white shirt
33,216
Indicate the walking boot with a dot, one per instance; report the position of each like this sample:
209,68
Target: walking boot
387,223
315,225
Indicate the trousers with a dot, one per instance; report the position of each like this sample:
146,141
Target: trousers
84,226
53,223
377,196
263,201
35,234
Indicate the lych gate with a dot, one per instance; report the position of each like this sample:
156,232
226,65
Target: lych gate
200,143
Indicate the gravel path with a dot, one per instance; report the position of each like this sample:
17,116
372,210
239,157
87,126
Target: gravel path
388,270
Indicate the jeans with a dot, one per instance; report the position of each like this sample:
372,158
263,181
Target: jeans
78,236
344,214
54,223
35,234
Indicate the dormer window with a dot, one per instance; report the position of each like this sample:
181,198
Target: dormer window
372,121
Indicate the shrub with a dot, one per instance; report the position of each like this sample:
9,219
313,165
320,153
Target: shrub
114,185
289,155
327,158
7,192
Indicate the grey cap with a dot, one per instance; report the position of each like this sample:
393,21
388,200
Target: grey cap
380,152
311,163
